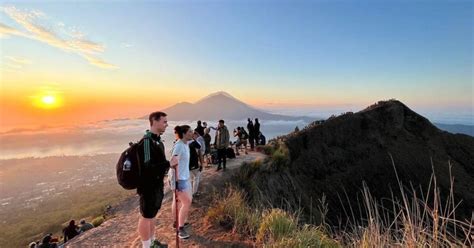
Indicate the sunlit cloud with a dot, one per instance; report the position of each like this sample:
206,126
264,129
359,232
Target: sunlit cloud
13,66
99,62
18,60
74,40
15,63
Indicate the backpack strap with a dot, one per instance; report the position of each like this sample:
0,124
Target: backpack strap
146,146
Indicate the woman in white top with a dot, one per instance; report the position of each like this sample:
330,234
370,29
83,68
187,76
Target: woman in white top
180,160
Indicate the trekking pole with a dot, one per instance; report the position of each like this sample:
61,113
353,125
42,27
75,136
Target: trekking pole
176,204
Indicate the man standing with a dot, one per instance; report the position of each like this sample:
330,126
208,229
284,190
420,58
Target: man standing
256,130
154,166
199,128
251,129
221,143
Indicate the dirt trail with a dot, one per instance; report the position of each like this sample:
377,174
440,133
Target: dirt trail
120,231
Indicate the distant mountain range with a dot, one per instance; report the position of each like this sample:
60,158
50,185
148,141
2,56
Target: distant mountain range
456,128
221,105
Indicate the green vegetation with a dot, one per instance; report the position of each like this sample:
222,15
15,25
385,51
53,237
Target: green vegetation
276,224
278,155
270,228
98,221
412,221
231,212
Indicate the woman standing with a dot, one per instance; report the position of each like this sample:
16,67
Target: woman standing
180,161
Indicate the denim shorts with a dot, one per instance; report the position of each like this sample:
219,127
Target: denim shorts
183,185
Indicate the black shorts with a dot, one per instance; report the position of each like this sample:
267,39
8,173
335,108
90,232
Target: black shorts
150,201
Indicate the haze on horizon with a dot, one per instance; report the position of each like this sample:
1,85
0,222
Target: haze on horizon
71,63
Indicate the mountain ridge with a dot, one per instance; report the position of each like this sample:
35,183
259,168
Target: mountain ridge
337,156
222,105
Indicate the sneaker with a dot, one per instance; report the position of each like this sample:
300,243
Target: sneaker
158,244
182,234
186,225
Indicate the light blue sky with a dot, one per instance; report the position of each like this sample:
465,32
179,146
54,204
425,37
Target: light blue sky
273,52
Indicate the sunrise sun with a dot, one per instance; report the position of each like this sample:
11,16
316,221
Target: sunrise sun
47,101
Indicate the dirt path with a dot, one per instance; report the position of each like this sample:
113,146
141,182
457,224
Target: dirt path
120,231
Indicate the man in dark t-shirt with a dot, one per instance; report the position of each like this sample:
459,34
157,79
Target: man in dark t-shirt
154,166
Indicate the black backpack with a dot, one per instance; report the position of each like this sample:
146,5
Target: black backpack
230,153
245,135
214,157
129,166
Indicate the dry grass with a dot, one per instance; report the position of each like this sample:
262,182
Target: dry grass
268,228
412,221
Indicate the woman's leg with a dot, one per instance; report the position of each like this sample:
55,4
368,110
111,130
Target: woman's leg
185,198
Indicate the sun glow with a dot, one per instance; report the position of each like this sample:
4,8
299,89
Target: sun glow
47,101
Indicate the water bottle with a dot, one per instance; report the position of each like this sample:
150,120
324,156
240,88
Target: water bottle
127,165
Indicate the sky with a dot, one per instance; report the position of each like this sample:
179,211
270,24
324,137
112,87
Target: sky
83,61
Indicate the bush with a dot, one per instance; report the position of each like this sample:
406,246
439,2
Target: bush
268,149
307,236
279,159
275,228
98,221
245,179
276,225
231,212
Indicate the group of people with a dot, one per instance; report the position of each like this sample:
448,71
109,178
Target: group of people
188,156
253,137
191,151
69,232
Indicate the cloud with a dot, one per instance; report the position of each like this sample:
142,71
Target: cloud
13,66
99,62
18,60
15,63
73,42
7,30
126,45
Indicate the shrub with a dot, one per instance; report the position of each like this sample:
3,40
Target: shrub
279,159
276,224
268,149
231,212
98,221
307,236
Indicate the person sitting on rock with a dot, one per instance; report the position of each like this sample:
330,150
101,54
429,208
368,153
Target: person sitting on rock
70,231
85,226
46,242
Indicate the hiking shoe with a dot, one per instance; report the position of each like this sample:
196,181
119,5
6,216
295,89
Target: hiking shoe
186,225
158,244
218,168
182,234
